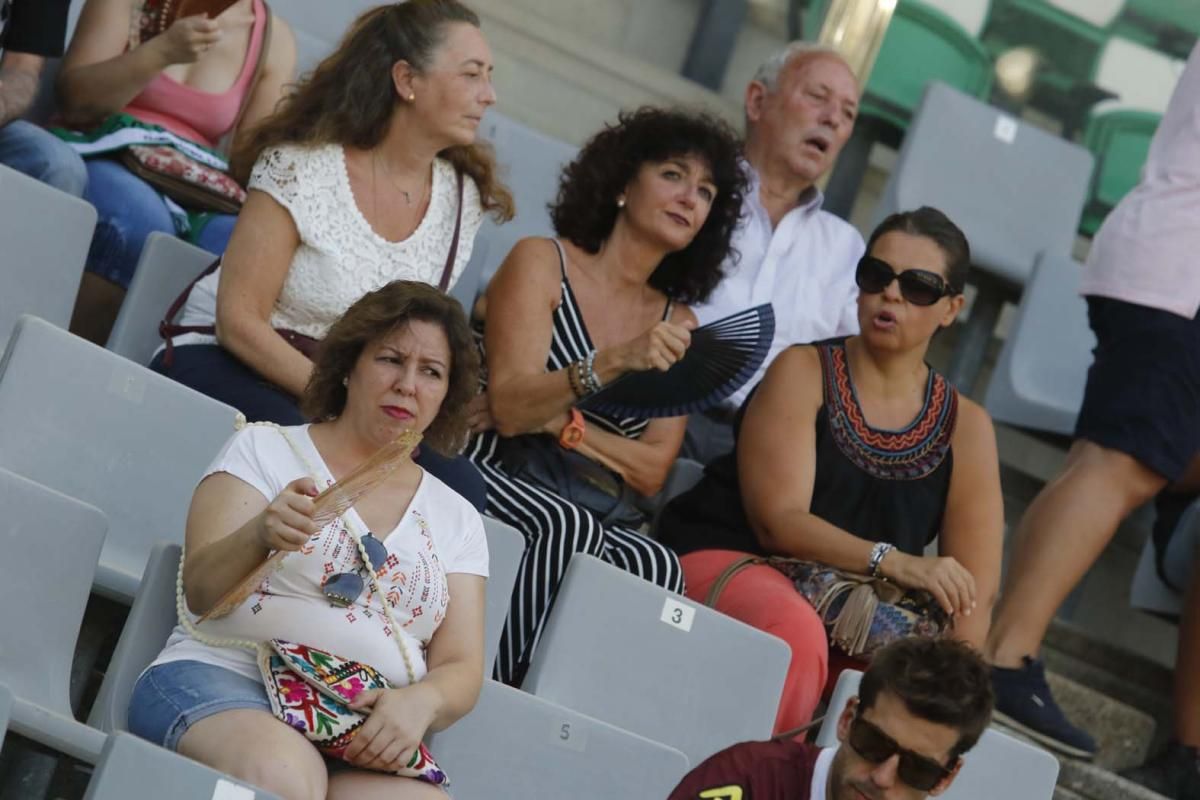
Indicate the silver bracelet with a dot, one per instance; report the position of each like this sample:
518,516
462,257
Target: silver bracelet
590,381
878,552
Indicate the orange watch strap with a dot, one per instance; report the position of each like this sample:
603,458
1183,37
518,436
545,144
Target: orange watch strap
572,433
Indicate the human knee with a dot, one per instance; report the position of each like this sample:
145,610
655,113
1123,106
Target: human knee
1124,476
64,170
285,773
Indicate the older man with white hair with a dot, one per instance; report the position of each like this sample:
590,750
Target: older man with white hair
800,110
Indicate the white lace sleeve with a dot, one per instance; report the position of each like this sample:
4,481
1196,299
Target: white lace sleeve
281,172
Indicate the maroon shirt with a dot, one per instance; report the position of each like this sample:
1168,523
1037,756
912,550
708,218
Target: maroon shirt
753,771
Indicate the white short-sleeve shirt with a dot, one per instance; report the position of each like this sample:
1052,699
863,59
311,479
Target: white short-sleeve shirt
440,534
340,257
804,268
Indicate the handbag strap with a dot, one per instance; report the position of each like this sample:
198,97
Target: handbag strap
168,330
727,574
452,256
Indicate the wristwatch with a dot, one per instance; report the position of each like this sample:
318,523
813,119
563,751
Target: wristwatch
572,432
878,552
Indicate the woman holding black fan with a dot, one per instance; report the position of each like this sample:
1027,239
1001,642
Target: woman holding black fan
644,217
851,458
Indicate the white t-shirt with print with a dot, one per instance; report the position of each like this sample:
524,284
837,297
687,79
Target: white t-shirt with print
439,534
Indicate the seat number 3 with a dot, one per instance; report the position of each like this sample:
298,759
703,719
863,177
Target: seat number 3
678,614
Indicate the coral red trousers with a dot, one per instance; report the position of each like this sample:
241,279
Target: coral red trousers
762,597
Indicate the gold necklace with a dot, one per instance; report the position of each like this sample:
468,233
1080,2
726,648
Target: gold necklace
407,195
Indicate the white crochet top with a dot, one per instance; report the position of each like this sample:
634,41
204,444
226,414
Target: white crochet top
340,257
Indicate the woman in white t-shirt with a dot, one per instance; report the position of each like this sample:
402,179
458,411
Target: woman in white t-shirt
368,172
401,358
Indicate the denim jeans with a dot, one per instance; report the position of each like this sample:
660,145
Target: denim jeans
128,211
40,154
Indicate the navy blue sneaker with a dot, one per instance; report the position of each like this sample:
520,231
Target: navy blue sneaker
1024,702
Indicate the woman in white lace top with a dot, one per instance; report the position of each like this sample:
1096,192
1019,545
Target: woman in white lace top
354,182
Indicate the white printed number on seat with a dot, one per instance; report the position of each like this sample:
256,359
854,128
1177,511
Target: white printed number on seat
231,791
677,614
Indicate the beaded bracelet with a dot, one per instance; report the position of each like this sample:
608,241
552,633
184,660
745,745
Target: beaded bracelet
573,376
588,374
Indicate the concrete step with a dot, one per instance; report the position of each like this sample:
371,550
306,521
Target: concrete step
1080,780
1119,675
1123,733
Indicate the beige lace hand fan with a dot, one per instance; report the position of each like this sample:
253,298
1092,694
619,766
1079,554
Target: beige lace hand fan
327,506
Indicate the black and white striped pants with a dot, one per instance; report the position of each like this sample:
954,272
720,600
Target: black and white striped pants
554,531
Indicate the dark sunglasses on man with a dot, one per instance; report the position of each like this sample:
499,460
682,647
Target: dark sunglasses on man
920,287
920,772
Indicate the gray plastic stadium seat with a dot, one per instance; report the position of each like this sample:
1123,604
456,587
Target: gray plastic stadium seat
51,543
506,548
150,621
96,426
165,269
133,769
1148,591
520,746
1014,189
628,652
6,704
530,165
998,767
1039,378
46,235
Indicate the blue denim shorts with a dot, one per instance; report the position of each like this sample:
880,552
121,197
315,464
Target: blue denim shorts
172,697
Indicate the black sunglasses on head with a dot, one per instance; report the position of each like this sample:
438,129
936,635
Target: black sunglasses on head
920,287
920,772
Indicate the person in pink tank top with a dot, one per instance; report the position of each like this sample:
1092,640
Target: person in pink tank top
192,78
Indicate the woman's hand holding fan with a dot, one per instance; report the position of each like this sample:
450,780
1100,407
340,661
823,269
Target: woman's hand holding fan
658,348
287,516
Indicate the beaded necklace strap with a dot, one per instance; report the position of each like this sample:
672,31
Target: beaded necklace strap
349,524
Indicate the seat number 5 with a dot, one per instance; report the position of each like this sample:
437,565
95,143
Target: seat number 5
678,614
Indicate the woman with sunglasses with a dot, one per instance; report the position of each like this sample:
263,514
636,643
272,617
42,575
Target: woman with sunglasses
401,358
857,454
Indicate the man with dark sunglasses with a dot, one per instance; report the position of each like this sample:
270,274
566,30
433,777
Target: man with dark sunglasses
922,704
30,32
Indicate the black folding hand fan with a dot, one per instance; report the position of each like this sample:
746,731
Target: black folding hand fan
722,357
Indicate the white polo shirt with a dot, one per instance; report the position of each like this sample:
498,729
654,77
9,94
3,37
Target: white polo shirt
804,268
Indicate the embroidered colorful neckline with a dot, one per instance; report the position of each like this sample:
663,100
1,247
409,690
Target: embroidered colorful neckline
908,454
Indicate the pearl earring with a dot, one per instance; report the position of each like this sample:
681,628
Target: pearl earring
346,381
412,97
620,202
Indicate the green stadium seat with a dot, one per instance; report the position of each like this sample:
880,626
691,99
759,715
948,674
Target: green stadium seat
1119,138
1167,25
923,44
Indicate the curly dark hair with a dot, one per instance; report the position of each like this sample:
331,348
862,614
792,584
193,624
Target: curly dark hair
941,680
375,315
586,209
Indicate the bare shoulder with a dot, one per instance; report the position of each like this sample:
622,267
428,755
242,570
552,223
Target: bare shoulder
531,267
796,363
973,428
283,41
682,314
